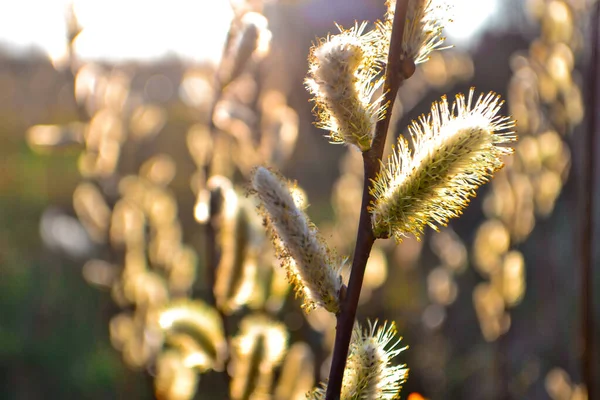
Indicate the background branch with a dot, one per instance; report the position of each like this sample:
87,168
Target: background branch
587,249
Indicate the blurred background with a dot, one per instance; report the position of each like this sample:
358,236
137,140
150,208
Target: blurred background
128,128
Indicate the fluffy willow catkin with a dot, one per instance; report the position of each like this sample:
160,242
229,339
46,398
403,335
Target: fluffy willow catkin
315,269
345,69
369,372
425,20
454,152
344,73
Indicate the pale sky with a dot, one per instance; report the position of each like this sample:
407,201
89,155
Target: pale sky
119,30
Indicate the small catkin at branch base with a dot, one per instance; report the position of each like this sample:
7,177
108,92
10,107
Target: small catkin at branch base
369,371
312,267
454,152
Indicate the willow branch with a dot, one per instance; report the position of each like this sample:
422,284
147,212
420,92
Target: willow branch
396,71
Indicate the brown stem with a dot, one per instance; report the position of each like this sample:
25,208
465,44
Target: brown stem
395,74
212,255
587,248
211,252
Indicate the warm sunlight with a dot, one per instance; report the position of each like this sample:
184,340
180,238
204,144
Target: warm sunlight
119,30
299,199
470,17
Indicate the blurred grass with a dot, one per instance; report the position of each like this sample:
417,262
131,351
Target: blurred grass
53,327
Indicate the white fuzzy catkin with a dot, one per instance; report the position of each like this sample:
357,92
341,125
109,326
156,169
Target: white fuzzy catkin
315,271
344,73
455,150
369,372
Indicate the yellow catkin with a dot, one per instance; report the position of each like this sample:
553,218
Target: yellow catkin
197,329
174,381
455,150
253,41
257,350
369,372
92,210
297,374
238,265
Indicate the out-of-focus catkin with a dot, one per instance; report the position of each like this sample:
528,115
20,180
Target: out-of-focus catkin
297,375
257,350
315,269
92,210
454,152
196,329
253,41
174,381
238,267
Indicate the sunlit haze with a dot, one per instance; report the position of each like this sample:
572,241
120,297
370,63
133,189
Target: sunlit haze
470,17
118,30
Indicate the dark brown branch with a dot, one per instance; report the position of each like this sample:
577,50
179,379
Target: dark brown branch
587,248
395,74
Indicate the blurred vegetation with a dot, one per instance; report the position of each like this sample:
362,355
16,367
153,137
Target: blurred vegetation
55,340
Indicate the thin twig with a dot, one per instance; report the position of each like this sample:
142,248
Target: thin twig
365,237
587,249
212,255
211,252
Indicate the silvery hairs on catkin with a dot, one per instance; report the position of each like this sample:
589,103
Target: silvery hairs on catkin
315,271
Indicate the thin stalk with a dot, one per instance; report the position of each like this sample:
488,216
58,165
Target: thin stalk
394,76
211,252
212,255
587,248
